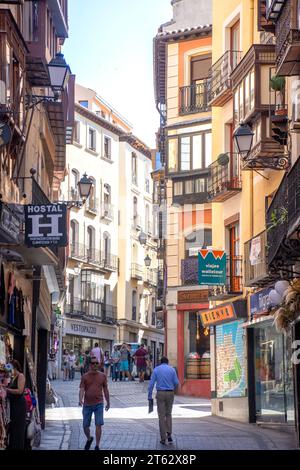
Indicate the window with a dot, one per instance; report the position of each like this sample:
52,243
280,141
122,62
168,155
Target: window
106,245
107,147
134,168
74,183
90,243
74,234
92,285
200,185
178,188
92,139
147,185
84,103
190,153
77,132
196,240
147,220
244,99
134,302
107,194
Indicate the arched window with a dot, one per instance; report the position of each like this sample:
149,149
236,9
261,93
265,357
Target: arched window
147,219
74,235
92,197
134,253
135,211
106,246
74,183
107,194
134,302
91,242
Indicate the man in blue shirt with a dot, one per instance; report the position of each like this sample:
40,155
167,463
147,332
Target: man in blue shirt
166,381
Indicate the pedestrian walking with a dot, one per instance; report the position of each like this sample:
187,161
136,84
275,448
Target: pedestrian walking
98,353
149,368
52,364
65,364
130,361
141,356
92,387
15,392
106,363
116,358
166,381
80,362
87,361
124,367
72,363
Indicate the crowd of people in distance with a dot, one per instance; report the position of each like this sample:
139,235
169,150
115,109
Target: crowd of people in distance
123,363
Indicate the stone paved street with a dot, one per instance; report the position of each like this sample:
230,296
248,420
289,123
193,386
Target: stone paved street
128,425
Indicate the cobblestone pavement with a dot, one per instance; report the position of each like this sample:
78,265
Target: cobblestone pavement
128,425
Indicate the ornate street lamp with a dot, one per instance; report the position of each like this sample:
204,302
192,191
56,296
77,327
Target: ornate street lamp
243,138
147,261
84,186
143,238
59,72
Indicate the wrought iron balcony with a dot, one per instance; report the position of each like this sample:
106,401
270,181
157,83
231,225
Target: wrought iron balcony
105,261
225,178
109,262
107,211
294,199
193,99
151,277
220,82
92,205
288,39
91,309
137,271
256,261
77,251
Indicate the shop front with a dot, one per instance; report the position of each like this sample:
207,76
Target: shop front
193,344
228,359
80,335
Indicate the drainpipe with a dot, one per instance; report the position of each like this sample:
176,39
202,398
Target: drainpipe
251,174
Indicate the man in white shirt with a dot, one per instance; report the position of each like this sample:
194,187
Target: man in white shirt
98,353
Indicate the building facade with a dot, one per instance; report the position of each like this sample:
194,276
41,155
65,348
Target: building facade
182,60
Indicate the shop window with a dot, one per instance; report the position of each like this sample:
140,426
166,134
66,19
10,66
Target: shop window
196,348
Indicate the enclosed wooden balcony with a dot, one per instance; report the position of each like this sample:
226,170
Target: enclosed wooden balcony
220,90
225,178
288,39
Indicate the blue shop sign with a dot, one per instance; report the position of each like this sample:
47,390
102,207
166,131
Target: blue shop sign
259,302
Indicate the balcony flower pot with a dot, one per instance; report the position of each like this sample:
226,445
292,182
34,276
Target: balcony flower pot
223,159
281,112
278,84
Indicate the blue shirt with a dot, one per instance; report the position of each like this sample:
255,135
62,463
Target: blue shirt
165,378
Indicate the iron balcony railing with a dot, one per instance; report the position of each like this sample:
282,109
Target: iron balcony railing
286,33
103,260
193,98
256,261
220,73
137,271
151,276
225,178
276,220
294,197
189,275
92,205
93,309
107,211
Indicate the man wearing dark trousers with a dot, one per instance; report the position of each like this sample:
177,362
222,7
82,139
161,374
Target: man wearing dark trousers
166,381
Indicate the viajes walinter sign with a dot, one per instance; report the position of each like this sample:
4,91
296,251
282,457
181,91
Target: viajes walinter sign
46,225
212,268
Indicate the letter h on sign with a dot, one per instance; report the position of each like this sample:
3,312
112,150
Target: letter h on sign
46,227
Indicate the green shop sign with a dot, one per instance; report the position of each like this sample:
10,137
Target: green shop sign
212,268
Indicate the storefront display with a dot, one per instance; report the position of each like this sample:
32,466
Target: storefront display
274,388
197,344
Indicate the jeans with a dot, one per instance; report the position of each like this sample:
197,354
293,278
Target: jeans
115,370
72,373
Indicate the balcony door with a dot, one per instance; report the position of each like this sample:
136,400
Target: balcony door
235,43
234,261
200,66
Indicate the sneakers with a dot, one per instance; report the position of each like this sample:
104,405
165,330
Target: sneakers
163,442
170,440
88,443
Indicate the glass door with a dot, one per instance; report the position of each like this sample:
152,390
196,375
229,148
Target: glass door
235,43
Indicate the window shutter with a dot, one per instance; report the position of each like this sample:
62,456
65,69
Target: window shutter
200,66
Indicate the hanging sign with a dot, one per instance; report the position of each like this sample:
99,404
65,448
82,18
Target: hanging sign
255,252
46,225
11,216
212,268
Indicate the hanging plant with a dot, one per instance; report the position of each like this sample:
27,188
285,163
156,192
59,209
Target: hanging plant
277,83
223,159
278,217
289,309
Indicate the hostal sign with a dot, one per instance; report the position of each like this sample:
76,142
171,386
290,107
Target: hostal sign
46,225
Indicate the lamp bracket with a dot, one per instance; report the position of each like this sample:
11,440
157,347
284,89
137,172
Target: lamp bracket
281,162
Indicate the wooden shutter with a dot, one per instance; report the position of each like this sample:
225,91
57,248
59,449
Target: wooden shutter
200,66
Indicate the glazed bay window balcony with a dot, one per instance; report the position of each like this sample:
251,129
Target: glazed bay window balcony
107,211
193,98
225,177
287,32
256,261
220,90
137,271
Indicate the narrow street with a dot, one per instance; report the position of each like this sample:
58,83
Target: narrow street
128,426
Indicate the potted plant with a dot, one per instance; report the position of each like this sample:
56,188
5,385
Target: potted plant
223,159
278,85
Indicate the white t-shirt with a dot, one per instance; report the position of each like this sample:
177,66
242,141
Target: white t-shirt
98,353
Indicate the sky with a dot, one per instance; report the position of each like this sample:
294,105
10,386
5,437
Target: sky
110,49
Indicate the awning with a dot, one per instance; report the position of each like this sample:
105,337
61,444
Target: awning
34,256
53,287
224,313
260,319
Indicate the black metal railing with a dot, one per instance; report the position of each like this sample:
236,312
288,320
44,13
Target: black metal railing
294,197
151,277
92,205
221,70
104,260
225,176
285,31
256,260
137,271
276,220
193,98
93,309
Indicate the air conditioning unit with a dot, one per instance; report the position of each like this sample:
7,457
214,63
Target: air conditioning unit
295,124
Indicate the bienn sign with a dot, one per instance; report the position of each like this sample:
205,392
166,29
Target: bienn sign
45,225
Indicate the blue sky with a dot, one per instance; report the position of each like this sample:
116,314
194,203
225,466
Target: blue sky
110,50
